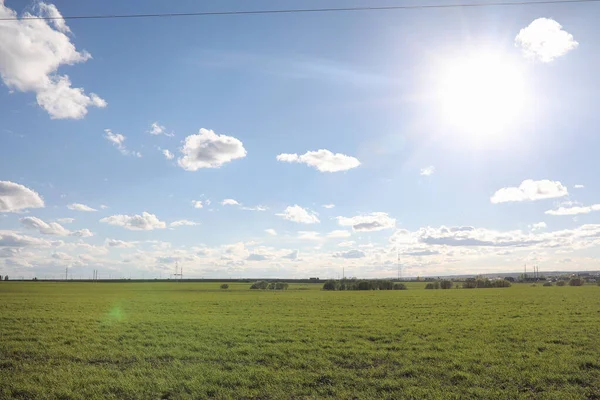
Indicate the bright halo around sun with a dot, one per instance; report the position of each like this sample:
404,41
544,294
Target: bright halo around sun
482,95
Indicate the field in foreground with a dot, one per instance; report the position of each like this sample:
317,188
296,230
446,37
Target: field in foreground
191,340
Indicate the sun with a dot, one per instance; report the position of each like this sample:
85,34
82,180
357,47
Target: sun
482,95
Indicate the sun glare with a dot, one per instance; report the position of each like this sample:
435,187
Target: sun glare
482,95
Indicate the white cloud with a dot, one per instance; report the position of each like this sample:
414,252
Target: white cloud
329,206
255,208
292,256
574,210
157,129
298,214
323,160
32,50
230,202
309,235
271,232
118,243
104,207
144,222
209,150
545,40
578,186
530,190
168,155
538,226
350,254
348,243
118,141
368,222
80,207
427,171
65,220
182,222
52,228
257,257
197,203
15,197
339,234
82,233
13,239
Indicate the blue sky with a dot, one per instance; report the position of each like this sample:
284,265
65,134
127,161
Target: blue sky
455,137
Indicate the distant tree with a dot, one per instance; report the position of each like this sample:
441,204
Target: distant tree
364,285
469,283
509,278
498,283
576,282
6,278
329,285
429,286
384,285
446,284
259,285
400,286
547,284
224,286
560,283
278,286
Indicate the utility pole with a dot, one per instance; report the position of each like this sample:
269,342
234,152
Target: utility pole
66,273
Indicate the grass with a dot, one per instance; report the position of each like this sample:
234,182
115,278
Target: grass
194,340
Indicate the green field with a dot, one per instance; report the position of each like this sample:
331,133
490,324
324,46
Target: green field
192,340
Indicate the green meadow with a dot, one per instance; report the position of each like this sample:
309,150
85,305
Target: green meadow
192,340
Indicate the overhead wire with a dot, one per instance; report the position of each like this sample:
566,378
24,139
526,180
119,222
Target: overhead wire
302,10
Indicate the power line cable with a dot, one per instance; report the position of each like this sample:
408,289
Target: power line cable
306,10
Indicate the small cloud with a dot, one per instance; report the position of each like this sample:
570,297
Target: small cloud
144,222
103,206
197,203
348,243
339,234
82,233
530,190
298,214
168,155
309,235
118,140
427,171
350,254
328,206
157,129
257,257
538,226
65,220
578,187
230,202
545,40
293,255
323,160
574,210
80,207
182,222
271,232
209,150
255,208
368,222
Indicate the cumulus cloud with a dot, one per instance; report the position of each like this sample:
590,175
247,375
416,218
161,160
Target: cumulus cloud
144,222
82,233
80,207
15,197
65,220
329,206
230,202
118,141
427,171
298,214
530,190
545,40
309,235
323,160
538,226
197,203
339,234
168,155
32,50
52,228
350,254
271,232
578,186
368,222
158,129
209,150
574,210
348,243
13,239
182,222
257,257
118,243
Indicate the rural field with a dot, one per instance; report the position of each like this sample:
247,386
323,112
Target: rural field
192,340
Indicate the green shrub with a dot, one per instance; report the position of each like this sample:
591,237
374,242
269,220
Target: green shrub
429,286
446,284
547,284
364,285
400,286
560,283
576,282
277,286
470,283
260,285
224,286
329,285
